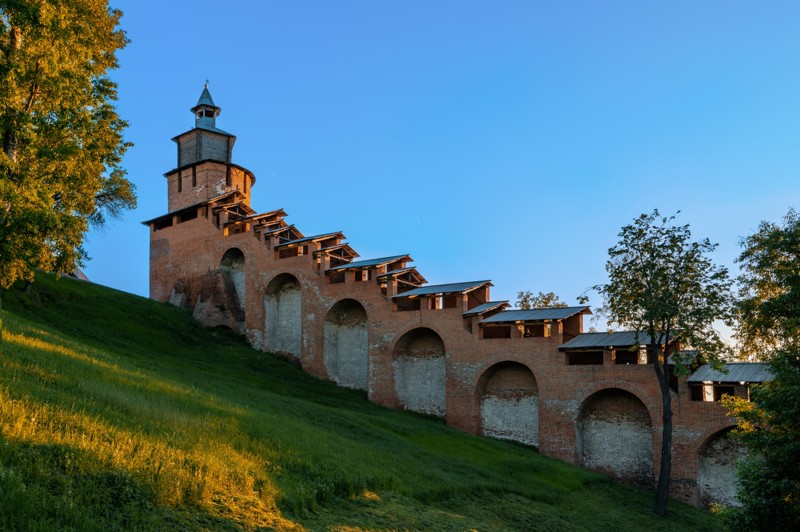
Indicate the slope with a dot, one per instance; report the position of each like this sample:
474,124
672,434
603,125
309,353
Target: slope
117,412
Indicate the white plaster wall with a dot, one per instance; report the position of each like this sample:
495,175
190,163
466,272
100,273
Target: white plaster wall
232,264
510,418
716,471
346,354
283,323
237,276
619,447
420,383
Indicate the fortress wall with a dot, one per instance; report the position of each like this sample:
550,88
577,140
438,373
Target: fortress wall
441,379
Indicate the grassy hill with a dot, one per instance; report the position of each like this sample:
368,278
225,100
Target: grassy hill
117,412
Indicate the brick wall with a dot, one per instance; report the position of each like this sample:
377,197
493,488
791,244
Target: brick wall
434,361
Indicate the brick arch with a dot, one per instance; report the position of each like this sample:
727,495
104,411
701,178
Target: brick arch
703,439
717,454
412,328
509,402
345,344
283,307
653,409
615,435
419,368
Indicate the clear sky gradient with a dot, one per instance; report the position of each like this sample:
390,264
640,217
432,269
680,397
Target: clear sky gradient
494,140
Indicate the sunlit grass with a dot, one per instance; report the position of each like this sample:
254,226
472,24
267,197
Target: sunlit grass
119,412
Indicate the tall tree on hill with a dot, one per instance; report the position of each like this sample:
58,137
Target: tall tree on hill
769,424
663,284
61,142
528,300
769,288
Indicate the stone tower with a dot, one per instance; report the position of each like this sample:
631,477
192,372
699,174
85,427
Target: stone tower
204,169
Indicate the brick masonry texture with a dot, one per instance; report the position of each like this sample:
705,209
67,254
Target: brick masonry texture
206,257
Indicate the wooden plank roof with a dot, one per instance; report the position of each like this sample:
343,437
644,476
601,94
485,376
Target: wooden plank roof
370,263
450,288
536,314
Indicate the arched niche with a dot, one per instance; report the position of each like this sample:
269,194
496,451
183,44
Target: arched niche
419,371
509,401
345,344
717,479
283,324
615,436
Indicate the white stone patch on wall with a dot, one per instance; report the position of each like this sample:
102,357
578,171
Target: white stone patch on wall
345,346
237,276
621,448
511,418
178,299
283,327
615,436
256,338
716,470
232,264
420,383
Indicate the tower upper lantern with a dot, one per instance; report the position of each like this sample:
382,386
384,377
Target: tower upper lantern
206,141
205,112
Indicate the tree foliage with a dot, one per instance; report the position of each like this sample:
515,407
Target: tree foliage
769,295
769,424
62,142
663,285
528,300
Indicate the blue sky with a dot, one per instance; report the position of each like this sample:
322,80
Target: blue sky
490,140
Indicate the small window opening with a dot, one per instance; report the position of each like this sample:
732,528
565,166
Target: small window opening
449,302
498,331
194,177
163,224
180,182
626,356
719,391
188,215
408,304
585,358
696,393
536,330
285,253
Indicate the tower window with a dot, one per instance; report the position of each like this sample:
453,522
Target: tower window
194,176
180,182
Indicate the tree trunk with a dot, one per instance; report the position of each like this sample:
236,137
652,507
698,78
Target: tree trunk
665,470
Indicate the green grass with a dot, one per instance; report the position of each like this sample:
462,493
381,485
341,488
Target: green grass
117,412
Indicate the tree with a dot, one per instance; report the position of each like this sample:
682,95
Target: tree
527,300
61,137
663,285
769,294
769,424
